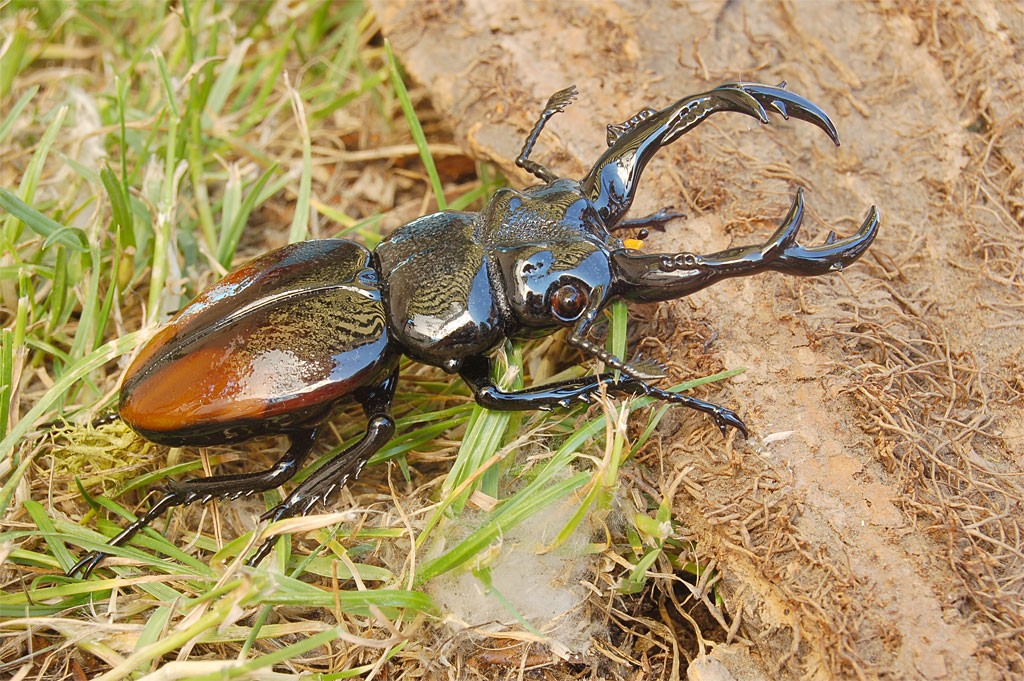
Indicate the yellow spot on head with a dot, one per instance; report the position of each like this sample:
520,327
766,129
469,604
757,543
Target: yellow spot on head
633,244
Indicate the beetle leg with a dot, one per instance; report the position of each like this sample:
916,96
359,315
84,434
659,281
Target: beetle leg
189,491
556,104
89,562
640,372
477,374
724,418
338,470
653,221
329,477
244,484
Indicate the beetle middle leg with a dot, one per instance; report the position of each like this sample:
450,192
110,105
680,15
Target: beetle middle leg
230,486
477,373
556,104
337,471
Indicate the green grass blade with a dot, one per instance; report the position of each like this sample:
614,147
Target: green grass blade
120,209
225,82
13,57
45,524
415,128
300,221
230,238
12,116
41,224
6,376
70,377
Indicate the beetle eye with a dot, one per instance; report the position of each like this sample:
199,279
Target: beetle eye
568,302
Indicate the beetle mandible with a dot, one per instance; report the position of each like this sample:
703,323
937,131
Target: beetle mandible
278,345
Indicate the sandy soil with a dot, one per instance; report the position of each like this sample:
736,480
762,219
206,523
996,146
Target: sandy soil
871,526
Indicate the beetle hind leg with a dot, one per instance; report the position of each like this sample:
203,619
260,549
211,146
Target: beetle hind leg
328,478
243,484
221,486
344,466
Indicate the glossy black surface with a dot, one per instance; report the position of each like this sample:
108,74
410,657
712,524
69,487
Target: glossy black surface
279,344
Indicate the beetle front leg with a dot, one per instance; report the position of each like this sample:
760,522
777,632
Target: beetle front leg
655,220
556,104
221,486
724,418
476,372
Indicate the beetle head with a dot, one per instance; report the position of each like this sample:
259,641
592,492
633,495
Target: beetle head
556,284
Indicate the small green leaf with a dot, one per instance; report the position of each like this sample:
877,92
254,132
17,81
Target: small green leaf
42,225
415,128
119,208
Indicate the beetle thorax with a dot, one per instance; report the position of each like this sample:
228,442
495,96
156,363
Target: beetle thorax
552,212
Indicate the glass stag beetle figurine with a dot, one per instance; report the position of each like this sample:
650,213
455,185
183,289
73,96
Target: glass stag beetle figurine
279,344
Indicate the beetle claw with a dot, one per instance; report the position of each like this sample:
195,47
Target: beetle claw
723,418
779,107
784,254
87,564
727,418
742,101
